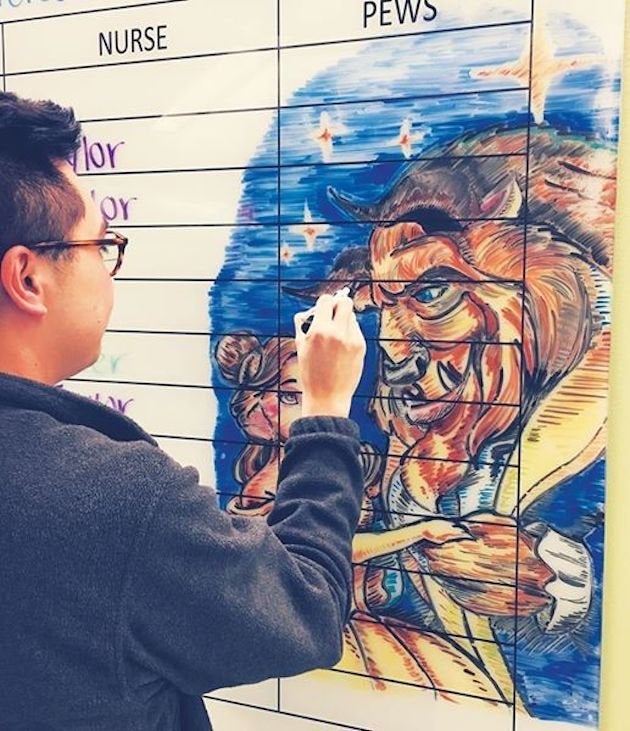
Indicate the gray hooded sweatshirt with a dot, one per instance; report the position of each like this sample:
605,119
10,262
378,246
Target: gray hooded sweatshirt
127,594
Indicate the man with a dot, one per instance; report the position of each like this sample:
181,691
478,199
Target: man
127,593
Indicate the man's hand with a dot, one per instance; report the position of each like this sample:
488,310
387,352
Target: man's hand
330,356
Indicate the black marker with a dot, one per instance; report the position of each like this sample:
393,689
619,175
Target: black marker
343,292
306,325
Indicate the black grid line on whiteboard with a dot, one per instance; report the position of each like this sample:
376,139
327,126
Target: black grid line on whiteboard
91,11
265,335
515,283
519,446
275,443
479,583
298,221
422,687
349,164
286,714
338,103
260,49
379,512
244,390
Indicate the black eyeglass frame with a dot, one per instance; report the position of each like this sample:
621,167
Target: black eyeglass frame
115,239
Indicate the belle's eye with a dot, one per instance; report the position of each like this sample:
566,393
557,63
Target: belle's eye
426,295
289,397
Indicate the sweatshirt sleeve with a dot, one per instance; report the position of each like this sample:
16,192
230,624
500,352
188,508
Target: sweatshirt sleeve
213,600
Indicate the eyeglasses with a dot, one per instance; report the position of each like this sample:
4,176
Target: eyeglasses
111,248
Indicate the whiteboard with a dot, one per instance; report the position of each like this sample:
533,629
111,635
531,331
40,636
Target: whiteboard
259,152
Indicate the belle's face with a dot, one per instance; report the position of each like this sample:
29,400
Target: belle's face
259,417
267,415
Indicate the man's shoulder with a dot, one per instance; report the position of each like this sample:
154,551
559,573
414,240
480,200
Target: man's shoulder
74,459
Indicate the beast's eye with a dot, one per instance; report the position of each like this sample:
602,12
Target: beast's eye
289,397
426,295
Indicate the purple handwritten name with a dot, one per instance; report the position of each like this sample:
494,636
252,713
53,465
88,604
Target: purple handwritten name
95,155
113,402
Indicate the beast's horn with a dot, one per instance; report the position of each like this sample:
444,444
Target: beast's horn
358,211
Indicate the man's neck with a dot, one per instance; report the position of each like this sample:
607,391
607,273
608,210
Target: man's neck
18,357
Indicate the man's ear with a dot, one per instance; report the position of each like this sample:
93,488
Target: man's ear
22,276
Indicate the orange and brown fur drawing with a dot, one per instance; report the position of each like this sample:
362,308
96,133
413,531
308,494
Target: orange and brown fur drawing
492,290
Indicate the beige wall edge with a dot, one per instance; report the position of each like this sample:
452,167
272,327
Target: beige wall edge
616,645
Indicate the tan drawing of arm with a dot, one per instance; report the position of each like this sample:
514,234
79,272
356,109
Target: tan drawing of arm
371,545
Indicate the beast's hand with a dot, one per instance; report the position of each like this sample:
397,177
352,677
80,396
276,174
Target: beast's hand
481,572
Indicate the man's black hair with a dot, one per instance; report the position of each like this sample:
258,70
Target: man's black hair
37,202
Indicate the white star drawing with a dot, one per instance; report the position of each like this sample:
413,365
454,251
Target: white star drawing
325,134
308,229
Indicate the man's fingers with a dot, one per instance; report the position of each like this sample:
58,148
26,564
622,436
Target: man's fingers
323,311
330,311
343,310
299,319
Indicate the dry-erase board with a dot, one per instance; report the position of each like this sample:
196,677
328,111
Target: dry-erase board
454,164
